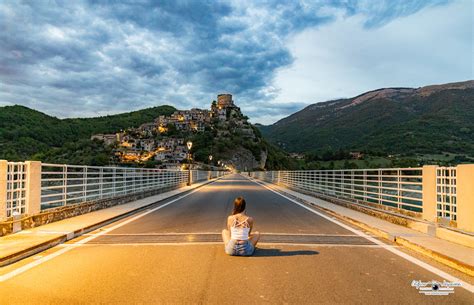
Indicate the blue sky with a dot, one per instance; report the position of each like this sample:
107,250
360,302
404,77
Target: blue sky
89,58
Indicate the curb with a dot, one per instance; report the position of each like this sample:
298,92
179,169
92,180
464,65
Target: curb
439,257
34,249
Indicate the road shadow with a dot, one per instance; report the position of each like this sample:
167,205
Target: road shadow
259,252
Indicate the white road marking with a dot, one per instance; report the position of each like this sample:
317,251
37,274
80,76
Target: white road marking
409,258
219,233
46,258
146,244
308,234
322,245
23,232
220,243
159,234
54,232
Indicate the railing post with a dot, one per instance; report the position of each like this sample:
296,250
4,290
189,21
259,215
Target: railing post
365,185
429,192
352,184
33,187
114,180
85,180
342,177
465,197
125,182
64,189
399,189
3,189
101,181
379,192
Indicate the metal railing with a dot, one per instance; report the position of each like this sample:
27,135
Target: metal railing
16,188
70,184
199,175
31,186
400,188
446,193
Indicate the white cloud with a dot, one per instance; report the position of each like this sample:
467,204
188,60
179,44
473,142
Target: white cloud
344,58
84,59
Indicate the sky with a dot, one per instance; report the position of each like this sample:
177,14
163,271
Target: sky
91,58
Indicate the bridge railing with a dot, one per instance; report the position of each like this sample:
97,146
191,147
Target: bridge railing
27,188
398,187
438,194
14,190
446,198
69,184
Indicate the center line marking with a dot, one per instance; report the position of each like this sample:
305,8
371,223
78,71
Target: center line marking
409,258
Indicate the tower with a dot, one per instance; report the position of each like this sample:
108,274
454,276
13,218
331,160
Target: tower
225,100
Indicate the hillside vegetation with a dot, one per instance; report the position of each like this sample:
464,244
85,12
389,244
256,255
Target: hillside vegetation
405,121
27,134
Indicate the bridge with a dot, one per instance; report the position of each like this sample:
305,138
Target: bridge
169,250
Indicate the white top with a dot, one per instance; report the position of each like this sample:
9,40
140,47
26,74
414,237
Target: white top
240,230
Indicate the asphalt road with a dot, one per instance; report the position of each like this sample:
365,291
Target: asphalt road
173,255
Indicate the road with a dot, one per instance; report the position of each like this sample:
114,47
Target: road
172,253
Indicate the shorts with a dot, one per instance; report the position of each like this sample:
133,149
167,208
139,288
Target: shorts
239,247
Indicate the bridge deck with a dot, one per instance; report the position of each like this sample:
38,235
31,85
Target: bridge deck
172,253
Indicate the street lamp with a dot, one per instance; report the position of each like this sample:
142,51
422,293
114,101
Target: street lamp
189,144
210,167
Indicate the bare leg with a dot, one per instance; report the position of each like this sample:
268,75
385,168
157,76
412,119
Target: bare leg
225,236
254,237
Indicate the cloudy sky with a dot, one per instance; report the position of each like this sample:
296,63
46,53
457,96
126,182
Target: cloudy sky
89,58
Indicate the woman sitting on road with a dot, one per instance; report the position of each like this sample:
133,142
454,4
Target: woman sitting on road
237,237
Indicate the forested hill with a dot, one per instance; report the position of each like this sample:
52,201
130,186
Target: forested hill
432,119
25,132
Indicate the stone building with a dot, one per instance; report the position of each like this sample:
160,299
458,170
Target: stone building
225,100
109,139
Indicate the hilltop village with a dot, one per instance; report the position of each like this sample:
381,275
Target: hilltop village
164,139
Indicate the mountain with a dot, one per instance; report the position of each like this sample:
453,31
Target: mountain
431,119
25,132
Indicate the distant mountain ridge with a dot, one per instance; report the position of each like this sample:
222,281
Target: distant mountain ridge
431,119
